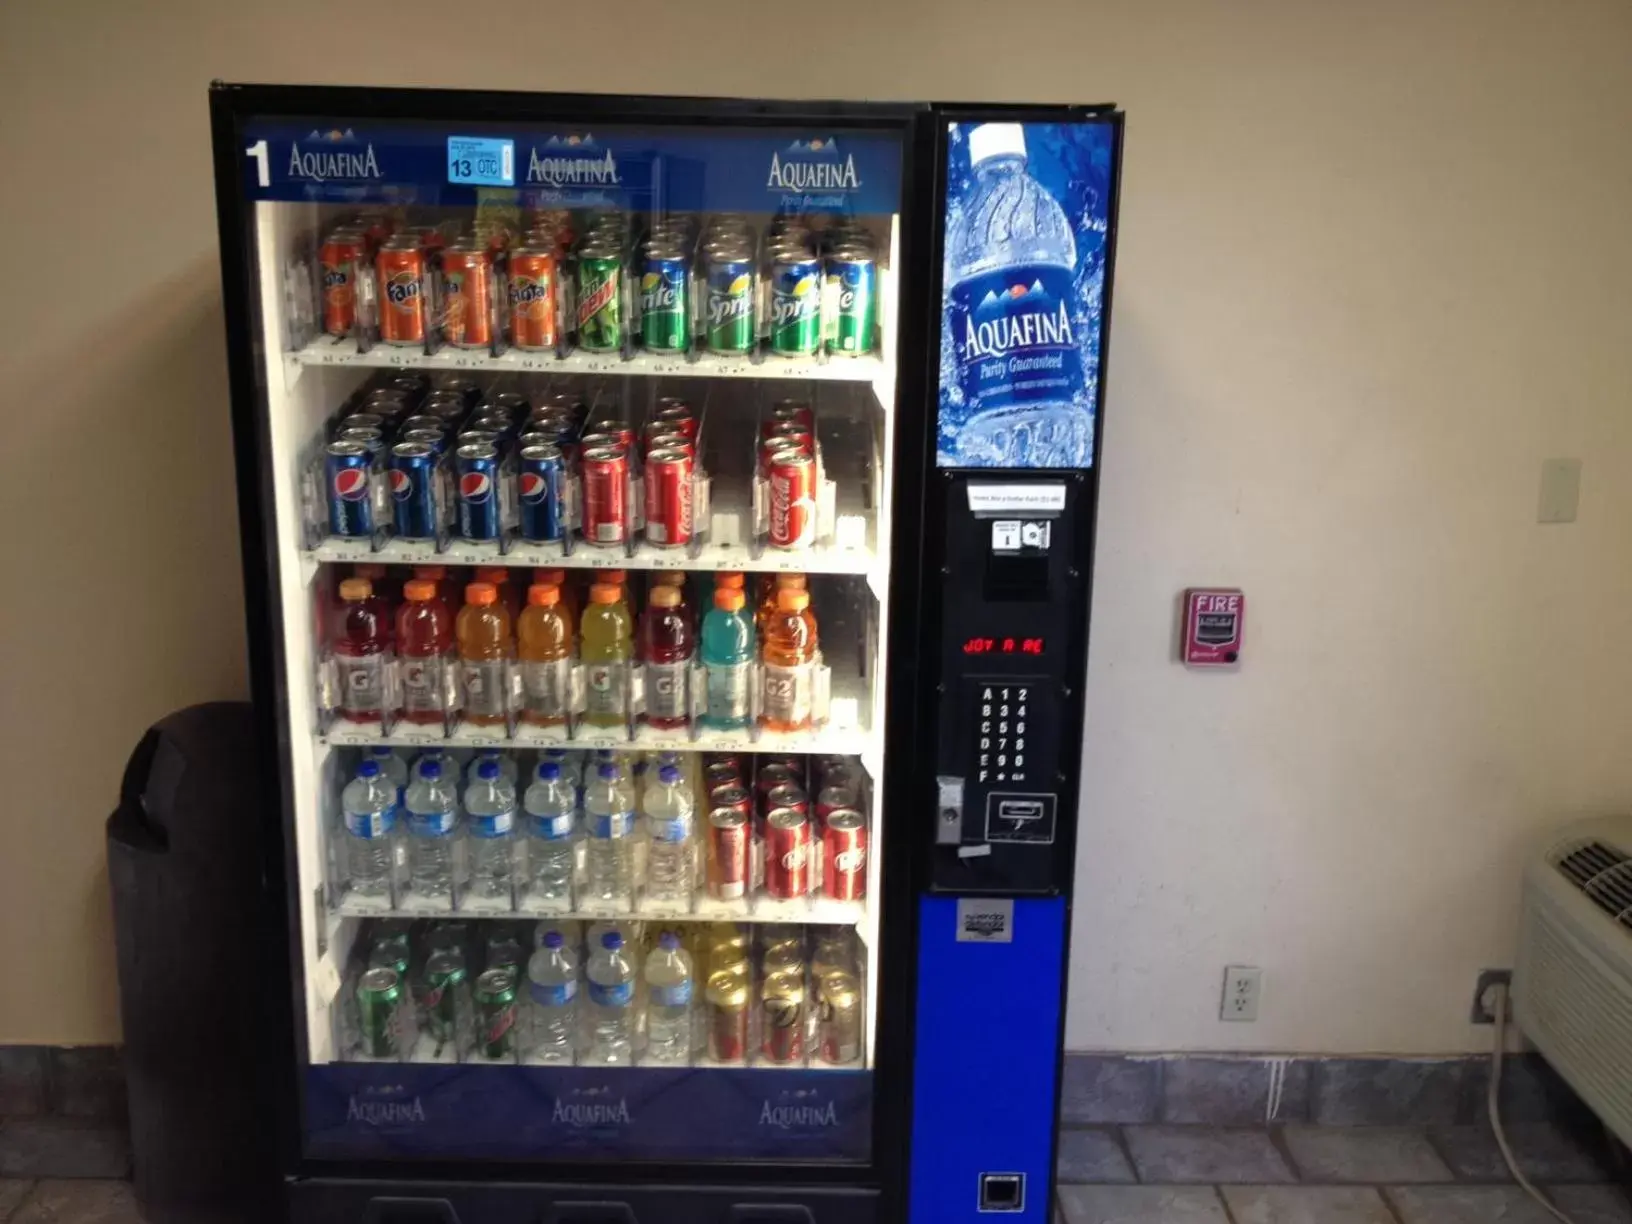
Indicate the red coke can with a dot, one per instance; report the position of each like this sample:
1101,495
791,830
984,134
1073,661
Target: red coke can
676,415
787,853
668,498
729,854
844,855
606,495
792,476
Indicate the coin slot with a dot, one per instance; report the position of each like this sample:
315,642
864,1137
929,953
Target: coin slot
1003,1192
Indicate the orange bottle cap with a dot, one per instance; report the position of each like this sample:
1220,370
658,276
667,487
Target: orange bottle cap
432,573
794,582
664,597
729,579
554,577
418,590
353,589
729,599
792,601
369,569
615,577
496,574
543,594
604,593
668,578
480,593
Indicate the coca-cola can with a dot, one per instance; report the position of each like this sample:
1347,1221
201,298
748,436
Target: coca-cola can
844,855
787,853
788,795
791,410
770,448
676,414
792,431
773,774
729,854
668,498
792,477
733,795
668,439
612,428
606,495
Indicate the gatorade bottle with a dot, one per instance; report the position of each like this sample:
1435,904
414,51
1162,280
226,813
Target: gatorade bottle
558,578
360,641
485,648
425,646
375,573
617,578
667,644
789,653
438,574
677,580
767,598
544,646
510,596
605,644
728,657
730,579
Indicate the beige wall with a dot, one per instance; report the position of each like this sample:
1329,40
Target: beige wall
1375,267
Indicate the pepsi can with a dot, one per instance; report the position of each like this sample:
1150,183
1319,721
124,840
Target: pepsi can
444,405
346,466
371,436
509,403
488,437
478,469
452,383
413,490
363,420
543,494
423,420
434,438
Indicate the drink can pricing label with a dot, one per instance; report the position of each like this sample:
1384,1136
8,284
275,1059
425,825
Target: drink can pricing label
617,994
666,690
729,690
796,307
787,694
496,824
486,688
730,306
606,683
547,687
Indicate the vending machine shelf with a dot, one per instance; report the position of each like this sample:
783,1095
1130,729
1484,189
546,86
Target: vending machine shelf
810,911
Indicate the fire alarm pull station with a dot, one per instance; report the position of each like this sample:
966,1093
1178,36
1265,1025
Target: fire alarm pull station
1214,620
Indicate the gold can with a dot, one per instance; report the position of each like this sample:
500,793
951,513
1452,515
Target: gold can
839,1018
782,1018
727,998
834,952
727,945
783,957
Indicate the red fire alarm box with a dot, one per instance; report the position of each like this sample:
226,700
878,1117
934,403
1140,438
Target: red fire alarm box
1214,621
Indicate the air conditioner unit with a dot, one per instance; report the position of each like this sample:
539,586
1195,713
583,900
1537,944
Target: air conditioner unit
1572,982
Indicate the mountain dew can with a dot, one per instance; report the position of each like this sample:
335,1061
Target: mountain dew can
852,287
796,305
731,302
600,308
663,299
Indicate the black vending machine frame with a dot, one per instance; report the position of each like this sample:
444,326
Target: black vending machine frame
344,1189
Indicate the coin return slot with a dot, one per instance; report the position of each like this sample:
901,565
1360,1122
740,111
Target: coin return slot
1003,1192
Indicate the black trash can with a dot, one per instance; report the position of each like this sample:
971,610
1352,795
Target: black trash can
191,931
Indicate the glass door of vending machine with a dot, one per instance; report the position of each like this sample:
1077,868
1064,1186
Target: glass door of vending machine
567,438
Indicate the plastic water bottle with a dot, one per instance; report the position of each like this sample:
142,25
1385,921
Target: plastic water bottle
670,875
438,755
608,810
506,763
552,983
490,804
370,806
551,821
392,766
611,1003
433,822
668,1002
1011,265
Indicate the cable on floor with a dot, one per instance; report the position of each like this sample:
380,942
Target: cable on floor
1499,1006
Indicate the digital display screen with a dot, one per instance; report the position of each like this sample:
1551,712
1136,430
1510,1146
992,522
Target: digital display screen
1003,646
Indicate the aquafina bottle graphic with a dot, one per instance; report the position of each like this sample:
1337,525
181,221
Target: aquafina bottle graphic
1011,265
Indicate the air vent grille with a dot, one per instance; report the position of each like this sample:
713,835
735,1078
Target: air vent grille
1603,873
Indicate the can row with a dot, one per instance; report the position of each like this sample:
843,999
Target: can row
605,282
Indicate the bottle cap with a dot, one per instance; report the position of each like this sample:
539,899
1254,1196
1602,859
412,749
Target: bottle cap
418,590
487,770
669,941
729,579
372,570
368,769
612,941
353,589
496,574
431,770
554,577
431,573
792,601
604,593
481,593
616,577
728,599
548,771
669,775
796,582
668,578
664,597
544,594
607,770
552,939
996,140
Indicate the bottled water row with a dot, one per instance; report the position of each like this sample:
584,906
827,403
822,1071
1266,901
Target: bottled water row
602,832
612,994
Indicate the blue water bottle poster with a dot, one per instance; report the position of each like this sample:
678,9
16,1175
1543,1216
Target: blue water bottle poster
1026,220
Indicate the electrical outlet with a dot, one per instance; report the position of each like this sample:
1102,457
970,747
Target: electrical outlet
1242,986
1484,995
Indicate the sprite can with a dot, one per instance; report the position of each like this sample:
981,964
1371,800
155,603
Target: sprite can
600,306
440,987
496,1014
663,299
379,1011
796,305
852,287
730,300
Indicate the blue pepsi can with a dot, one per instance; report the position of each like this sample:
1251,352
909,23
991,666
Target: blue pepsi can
371,436
543,489
413,490
422,420
434,438
445,406
487,437
477,464
346,466
362,420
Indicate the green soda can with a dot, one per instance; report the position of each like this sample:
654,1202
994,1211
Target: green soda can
663,299
796,305
379,1011
439,989
852,287
730,301
600,306
496,1014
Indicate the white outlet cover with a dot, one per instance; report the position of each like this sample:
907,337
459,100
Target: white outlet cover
1243,984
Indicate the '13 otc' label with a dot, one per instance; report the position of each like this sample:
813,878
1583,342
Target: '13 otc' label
1014,337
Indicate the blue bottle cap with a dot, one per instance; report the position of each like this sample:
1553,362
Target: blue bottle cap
668,941
487,770
368,769
549,771
608,771
612,940
552,939
669,775
431,770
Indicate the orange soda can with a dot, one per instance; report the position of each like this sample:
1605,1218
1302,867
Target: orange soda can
400,267
341,255
467,281
533,280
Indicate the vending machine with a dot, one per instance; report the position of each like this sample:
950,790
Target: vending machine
667,531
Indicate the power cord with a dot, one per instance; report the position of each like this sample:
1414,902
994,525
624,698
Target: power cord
1494,1097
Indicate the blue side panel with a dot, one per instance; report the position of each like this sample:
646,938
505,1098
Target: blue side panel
986,1062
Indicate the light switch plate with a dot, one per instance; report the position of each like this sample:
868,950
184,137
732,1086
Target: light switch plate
1560,491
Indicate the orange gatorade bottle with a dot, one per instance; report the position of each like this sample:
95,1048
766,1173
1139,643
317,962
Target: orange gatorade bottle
485,647
788,657
544,645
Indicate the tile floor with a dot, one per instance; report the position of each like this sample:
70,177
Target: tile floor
1333,1175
